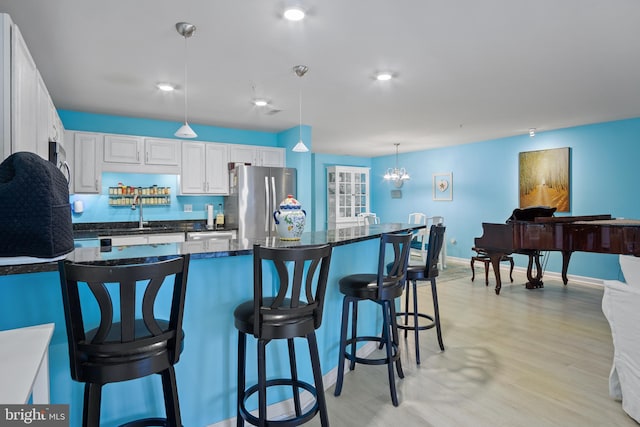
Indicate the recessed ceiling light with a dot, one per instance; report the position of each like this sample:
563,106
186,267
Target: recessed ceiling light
384,76
166,87
294,14
260,102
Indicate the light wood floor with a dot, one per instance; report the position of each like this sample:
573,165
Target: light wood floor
524,358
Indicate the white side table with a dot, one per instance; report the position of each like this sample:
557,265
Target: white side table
24,369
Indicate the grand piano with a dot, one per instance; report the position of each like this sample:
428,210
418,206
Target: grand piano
532,230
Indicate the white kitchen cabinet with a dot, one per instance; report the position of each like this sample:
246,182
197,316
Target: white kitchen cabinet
87,172
123,149
161,152
146,239
347,194
25,105
243,154
204,168
24,96
273,157
136,154
257,155
43,120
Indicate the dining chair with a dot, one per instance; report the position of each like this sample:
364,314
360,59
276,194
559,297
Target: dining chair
418,249
367,218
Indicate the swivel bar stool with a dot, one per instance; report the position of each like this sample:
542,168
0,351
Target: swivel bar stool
383,290
131,347
294,311
429,271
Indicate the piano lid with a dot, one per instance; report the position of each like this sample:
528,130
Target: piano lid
530,213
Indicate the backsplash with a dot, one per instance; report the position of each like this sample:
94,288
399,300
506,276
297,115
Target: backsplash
97,209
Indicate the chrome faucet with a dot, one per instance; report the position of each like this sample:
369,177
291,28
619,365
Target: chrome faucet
137,201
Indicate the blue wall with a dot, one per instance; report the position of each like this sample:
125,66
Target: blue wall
604,158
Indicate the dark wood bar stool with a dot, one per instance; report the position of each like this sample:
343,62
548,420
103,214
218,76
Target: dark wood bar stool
416,273
483,257
383,290
294,311
133,347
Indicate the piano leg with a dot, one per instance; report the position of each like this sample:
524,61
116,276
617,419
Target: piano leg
495,262
534,282
566,255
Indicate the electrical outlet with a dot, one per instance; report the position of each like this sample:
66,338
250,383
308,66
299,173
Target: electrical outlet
188,208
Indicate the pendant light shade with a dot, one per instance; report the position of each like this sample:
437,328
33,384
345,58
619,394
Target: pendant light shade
300,147
186,30
185,131
300,71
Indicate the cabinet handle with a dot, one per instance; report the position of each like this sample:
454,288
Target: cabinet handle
96,185
137,156
146,157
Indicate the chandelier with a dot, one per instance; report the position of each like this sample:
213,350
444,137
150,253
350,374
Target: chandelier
397,175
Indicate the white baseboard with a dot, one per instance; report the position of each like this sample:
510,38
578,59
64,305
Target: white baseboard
284,409
583,280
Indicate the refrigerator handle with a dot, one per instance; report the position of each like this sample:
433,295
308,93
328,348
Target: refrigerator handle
273,198
267,216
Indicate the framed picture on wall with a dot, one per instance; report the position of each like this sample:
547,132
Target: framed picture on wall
442,186
544,178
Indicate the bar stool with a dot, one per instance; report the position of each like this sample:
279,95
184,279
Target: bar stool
133,347
429,271
381,289
295,311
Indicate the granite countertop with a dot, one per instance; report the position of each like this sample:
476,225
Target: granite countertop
205,248
96,230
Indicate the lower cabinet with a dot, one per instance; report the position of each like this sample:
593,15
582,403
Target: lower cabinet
146,239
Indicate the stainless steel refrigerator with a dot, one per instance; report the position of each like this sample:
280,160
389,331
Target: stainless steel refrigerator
255,192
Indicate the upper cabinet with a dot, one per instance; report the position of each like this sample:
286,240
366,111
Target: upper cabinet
257,155
28,119
122,149
271,156
204,168
136,154
87,171
161,152
24,96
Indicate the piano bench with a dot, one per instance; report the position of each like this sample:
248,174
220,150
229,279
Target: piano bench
484,258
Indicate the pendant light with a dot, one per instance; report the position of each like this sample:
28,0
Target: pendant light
300,71
397,175
186,30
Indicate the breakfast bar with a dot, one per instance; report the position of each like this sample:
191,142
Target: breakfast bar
220,277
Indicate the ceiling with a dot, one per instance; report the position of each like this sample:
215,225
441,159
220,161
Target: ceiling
465,70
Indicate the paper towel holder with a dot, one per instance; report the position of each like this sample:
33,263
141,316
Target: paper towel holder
210,221
78,206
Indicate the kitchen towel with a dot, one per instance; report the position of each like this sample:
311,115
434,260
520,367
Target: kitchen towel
35,213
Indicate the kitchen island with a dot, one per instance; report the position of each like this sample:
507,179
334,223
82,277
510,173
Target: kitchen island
220,277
